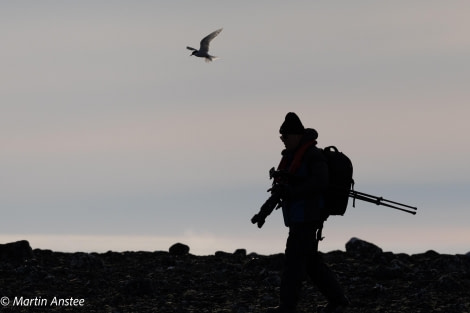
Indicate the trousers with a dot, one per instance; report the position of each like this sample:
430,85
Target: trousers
301,259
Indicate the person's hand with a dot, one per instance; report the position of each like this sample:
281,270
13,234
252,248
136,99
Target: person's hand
258,219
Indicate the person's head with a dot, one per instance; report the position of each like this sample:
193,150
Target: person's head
291,131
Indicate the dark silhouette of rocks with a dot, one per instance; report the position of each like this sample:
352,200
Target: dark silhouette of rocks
119,282
179,249
361,247
15,251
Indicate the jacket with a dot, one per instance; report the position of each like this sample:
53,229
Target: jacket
304,200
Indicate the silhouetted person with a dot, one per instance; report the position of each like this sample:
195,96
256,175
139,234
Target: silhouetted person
303,211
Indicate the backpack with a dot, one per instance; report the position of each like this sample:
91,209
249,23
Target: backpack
341,181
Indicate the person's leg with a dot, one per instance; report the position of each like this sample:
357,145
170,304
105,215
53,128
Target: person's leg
325,279
294,267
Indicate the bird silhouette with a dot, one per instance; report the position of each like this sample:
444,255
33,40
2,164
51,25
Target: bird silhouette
203,51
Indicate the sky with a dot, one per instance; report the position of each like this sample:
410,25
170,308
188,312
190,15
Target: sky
114,138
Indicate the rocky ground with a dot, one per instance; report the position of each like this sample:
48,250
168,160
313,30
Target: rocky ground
176,281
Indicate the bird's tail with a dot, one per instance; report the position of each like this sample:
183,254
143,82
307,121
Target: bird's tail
211,58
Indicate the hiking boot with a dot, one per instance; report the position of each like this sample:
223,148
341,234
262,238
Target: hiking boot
280,309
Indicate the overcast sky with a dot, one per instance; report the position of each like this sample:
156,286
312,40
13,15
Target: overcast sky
114,138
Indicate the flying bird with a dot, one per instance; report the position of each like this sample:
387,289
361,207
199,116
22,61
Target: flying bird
203,51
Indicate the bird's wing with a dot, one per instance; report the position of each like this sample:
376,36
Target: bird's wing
189,48
206,40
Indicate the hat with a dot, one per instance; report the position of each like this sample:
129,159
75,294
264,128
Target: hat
292,125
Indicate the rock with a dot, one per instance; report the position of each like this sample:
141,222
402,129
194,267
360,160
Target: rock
179,249
388,272
118,282
16,252
449,283
431,254
222,254
361,247
86,261
240,253
138,287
